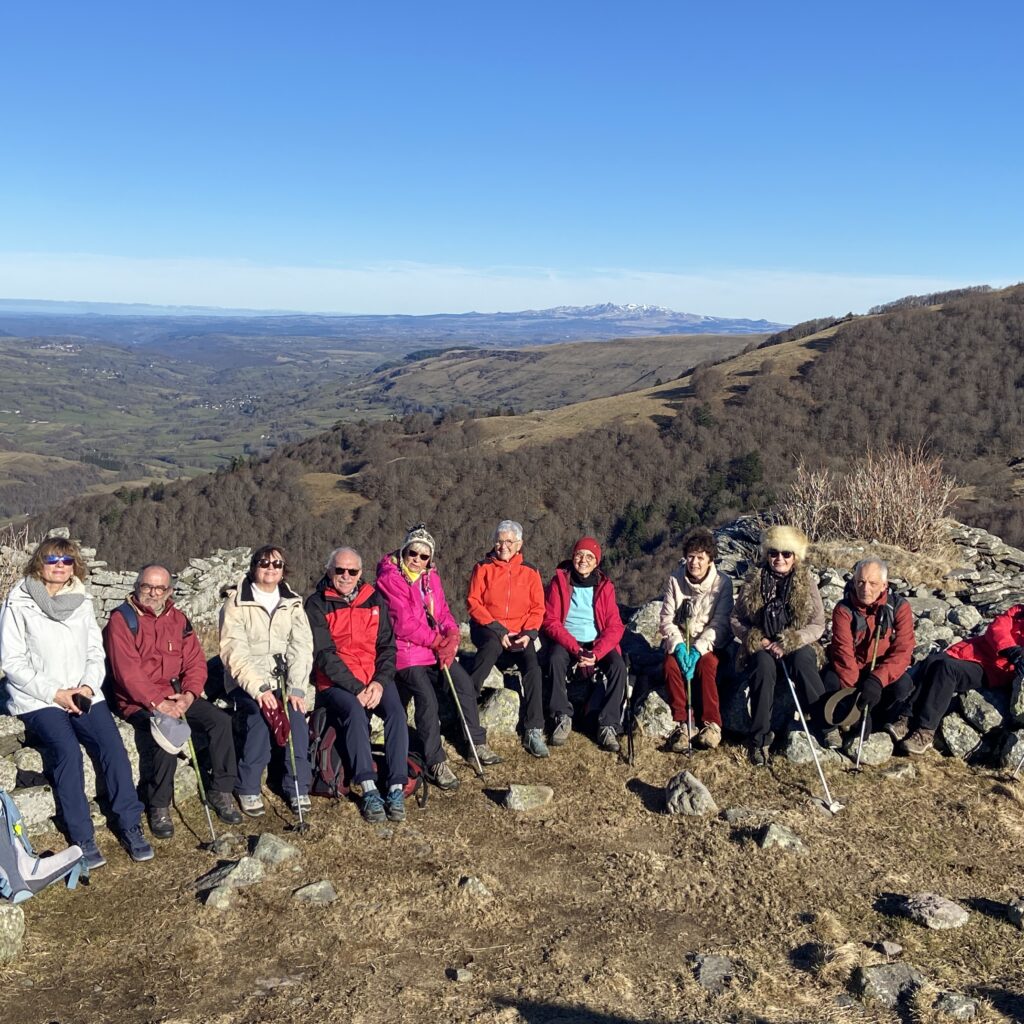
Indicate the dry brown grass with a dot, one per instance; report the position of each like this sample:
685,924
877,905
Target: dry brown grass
917,568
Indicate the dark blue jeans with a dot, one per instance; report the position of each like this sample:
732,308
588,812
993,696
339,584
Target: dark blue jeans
58,734
353,724
258,747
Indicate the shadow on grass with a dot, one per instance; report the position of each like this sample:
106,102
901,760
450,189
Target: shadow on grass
652,797
990,908
553,1013
1010,1004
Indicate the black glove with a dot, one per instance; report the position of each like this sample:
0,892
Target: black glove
1014,655
869,692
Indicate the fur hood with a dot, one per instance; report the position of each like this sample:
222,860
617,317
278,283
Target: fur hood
806,615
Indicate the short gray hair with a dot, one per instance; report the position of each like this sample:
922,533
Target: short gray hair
329,564
152,565
508,526
873,560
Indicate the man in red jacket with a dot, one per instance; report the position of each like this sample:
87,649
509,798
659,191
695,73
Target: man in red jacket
582,625
872,647
158,665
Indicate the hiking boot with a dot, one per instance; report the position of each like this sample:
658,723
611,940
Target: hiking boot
832,739
251,804
442,776
135,843
709,736
759,756
295,802
225,807
607,739
899,730
919,742
677,743
486,755
93,858
562,731
372,807
533,743
394,804
160,824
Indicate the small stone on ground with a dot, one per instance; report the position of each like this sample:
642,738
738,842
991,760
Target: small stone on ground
956,1005
12,931
233,875
317,893
271,850
780,837
686,794
887,984
934,911
714,972
526,798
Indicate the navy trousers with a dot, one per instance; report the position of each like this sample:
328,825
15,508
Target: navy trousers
258,747
60,737
353,724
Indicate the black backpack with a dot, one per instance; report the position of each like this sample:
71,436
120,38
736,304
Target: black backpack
329,768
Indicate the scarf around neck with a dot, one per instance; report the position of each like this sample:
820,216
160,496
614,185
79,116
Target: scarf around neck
59,607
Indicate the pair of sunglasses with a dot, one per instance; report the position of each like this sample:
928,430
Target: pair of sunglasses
776,553
340,571
59,559
420,556
270,563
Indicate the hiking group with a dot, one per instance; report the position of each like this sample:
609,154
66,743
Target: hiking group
354,648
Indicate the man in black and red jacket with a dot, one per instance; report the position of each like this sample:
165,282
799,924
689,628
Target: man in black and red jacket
354,674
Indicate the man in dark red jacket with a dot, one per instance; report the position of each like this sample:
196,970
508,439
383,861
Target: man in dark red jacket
582,625
872,646
158,665
354,674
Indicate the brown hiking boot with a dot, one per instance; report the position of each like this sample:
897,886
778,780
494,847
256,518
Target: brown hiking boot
677,742
899,730
919,741
709,736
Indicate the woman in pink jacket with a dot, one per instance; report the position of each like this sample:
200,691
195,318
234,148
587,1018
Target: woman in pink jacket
427,638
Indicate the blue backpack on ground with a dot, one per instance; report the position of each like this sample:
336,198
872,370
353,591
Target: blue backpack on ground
22,872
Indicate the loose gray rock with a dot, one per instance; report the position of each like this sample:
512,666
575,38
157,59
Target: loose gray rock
474,887
902,771
798,751
233,875
713,972
461,974
778,836
526,798
934,911
318,893
930,608
887,984
1012,750
12,931
983,709
655,717
272,850
36,805
221,897
956,1005
8,774
965,616
877,748
959,737
500,713
229,846
686,794
1015,912
495,680
736,815
28,760
12,734
887,948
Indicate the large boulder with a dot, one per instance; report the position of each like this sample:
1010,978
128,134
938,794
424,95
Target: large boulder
686,794
499,714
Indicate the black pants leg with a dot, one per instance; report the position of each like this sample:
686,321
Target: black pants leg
614,669
762,679
488,650
897,700
417,682
533,686
946,677
559,660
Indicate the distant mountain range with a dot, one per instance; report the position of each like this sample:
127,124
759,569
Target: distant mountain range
140,324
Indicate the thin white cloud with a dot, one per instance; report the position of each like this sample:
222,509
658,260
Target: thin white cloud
781,295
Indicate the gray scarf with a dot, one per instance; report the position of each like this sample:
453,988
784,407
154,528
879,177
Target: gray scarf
57,608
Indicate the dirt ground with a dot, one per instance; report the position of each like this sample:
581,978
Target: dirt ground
599,902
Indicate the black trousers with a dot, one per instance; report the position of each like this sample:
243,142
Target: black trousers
614,668
421,683
765,676
897,698
489,653
942,678
156,787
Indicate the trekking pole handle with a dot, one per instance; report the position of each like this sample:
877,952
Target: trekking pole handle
175,683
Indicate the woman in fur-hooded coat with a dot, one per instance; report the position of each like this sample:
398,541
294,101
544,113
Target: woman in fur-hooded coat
778,618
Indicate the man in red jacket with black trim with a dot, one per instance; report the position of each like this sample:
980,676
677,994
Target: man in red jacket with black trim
354,674
582,625
158,665
872,646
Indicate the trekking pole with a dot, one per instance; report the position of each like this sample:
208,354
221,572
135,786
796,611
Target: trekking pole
629,716
176,686
281,671
832,806
867,711
465,725
689,693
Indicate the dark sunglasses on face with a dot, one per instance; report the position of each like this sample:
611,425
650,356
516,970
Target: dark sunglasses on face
776,553
59,559
420,556
270,563
341,571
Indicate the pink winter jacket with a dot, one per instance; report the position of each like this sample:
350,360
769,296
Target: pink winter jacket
408,604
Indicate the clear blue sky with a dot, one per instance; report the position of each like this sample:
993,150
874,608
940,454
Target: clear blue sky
748,159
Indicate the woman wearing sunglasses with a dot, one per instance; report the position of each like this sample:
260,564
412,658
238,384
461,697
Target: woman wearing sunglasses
263,618
52,652
427,639
778,618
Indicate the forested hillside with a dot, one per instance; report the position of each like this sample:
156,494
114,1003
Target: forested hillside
729,438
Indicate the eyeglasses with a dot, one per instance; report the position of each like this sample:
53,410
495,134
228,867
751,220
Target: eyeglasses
776,553
270,563
420,556
505,543
155,589
584,556
59,559
340,570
